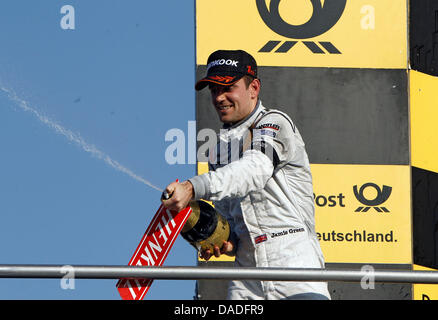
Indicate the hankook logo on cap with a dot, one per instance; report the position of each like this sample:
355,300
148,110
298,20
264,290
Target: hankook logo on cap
381,196
326,13
221,62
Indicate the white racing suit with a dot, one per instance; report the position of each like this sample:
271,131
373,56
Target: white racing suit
266,194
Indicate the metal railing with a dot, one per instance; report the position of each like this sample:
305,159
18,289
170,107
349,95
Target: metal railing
197,273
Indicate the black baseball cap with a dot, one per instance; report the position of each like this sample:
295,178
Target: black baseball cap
226,67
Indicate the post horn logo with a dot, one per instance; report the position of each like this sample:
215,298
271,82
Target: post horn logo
326,13
382,195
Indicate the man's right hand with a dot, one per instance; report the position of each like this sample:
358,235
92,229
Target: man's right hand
226,248
181,193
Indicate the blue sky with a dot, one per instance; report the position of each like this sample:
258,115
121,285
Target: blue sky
120,80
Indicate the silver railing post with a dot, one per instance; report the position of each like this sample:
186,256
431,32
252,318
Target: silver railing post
195,273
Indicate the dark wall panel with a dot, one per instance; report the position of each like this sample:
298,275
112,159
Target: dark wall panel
346,116
425,217
423,29
381,291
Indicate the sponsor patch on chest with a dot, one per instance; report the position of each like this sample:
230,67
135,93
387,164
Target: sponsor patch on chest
272,126
264,132
264,237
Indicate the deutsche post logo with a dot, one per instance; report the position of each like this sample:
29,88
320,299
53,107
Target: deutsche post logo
326,13
381,196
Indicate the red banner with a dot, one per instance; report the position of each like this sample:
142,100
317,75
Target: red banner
153,249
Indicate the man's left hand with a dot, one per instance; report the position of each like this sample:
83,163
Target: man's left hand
227,248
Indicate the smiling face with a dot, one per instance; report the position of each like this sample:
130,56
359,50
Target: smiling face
235,102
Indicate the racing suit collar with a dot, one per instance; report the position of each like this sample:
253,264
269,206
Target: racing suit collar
256,110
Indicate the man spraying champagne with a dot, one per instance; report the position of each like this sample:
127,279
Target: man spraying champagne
265,191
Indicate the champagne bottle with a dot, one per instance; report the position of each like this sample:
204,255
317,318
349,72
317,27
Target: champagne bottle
205,227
